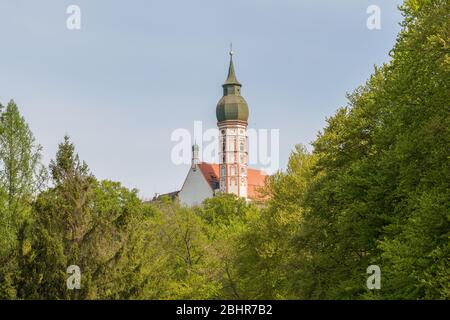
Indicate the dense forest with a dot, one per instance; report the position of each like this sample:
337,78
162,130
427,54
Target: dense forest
374,191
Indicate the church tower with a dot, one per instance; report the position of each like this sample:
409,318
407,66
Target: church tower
195,156
232,117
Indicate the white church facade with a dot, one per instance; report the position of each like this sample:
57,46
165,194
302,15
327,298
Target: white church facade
231,174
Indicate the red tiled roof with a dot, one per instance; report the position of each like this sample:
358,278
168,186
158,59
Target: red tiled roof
256,178
211,173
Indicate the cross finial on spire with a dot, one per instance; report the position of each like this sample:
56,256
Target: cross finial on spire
231,49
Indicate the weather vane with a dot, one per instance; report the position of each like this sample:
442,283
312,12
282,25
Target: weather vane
231,49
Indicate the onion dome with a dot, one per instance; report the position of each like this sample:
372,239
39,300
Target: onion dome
232,106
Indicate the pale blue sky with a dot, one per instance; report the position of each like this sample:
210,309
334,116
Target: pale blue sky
137,70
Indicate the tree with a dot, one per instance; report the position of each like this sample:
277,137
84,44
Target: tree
96,225
380,195
416,247
21,176
268,264
222,209
226,218
185,268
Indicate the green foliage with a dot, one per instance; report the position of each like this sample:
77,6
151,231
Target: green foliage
180,237
21,176
222,209
96,225
267,260
227,218
380,189
19,172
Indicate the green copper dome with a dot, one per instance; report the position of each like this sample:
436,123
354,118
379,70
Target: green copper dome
232,106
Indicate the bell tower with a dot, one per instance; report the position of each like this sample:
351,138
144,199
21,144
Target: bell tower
232,116
195,156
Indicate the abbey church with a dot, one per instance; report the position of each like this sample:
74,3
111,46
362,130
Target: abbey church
232,174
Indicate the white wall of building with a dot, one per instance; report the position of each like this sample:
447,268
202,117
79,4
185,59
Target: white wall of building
195,188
